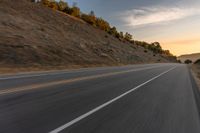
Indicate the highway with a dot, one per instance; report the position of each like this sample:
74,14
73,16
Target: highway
153,98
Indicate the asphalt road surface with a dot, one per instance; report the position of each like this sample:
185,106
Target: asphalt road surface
154,98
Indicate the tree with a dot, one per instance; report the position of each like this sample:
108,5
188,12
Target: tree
117,35
188,61
75,11
112,31
167,52
128,36
102,24
157,45
156,48
88,18
62,5
121,34
54,5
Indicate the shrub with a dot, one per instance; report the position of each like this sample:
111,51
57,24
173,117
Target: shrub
179,61
62,5
102,24
121,34
188,61
89,19
53,5
128,36
74,11
112,31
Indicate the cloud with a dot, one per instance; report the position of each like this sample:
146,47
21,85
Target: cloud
184,41
156,15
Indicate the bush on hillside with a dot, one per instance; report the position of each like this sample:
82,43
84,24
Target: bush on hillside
179,61
121,34
90,19
128,36
62,6
155,47
53,5
74,11
102,24
188,61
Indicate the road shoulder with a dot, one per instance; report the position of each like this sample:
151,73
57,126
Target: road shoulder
195,70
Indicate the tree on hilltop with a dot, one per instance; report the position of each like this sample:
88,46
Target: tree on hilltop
62,5
128,36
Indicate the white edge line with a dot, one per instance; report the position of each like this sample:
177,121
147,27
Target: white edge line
105,104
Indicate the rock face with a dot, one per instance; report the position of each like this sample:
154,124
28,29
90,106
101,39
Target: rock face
31,34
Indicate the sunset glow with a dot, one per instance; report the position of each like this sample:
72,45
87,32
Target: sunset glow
175,24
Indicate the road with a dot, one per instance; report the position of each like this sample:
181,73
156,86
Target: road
154,98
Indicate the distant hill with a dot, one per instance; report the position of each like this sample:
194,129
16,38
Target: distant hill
34,35
194,57
197,62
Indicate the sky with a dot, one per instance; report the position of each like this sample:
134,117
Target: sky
173,23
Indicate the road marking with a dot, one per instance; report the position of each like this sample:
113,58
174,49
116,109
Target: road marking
54,83
59,129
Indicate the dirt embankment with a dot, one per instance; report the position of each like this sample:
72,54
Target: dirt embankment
35,37
196,73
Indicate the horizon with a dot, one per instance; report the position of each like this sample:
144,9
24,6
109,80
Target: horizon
174,24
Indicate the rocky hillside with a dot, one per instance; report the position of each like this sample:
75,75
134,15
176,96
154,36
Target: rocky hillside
34,35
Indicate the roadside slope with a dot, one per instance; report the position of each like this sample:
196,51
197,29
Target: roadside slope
196,72
34,35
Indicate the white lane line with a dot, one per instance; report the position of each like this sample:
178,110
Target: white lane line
50,74
105,104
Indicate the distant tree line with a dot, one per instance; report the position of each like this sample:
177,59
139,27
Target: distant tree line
155,47
90,18
102,24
